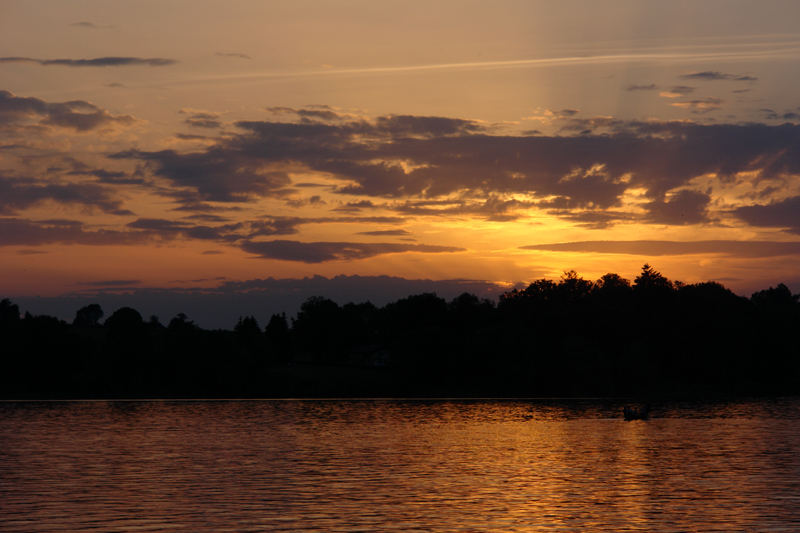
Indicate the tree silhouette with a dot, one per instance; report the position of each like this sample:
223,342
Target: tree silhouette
611,283
552,338
125,321
179,323
775,298
650,280
9,312
247,327
316,330
88,316
278,338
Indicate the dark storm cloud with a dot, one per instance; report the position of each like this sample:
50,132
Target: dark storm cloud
648,87
94,62
784,214
684,207
20,193
714,75
746,249
75,114
318,252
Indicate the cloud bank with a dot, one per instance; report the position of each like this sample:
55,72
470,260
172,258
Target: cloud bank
444,166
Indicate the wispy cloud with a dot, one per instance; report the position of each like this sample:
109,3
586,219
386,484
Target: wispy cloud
676,91
648,87
318,252
111,283
24,232
110,61
233,54
386,233
658,56
700,105
714,75
201,119
661,248
91,25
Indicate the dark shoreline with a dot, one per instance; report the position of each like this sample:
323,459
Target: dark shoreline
654,338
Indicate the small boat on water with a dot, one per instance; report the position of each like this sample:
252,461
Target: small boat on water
641,412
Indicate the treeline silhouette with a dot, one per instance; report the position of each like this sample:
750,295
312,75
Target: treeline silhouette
572,337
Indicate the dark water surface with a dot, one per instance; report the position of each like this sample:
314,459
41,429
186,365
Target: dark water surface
397,466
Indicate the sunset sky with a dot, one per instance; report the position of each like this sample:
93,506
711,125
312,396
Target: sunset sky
171,146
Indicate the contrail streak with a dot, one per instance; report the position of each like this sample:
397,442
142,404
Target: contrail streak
791,51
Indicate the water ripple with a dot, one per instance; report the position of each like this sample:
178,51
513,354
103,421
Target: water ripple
397,466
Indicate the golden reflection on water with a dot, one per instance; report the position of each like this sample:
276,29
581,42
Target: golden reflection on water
397,466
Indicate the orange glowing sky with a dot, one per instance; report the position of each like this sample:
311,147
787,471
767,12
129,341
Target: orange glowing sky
175,144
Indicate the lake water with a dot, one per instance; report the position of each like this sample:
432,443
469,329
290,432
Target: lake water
397,466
